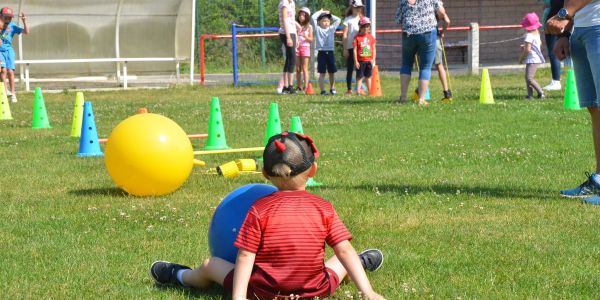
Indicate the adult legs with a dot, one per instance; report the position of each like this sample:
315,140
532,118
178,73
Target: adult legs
409,49
322,81
290,60
426,50
595,114
349,69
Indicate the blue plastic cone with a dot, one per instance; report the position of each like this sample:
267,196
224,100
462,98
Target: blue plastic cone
88,143
427,95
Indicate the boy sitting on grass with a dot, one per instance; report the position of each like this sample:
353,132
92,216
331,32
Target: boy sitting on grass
281,241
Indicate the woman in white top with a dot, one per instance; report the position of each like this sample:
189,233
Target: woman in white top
355,12
287,35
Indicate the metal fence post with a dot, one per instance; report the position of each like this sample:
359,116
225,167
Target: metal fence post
474,49
234,53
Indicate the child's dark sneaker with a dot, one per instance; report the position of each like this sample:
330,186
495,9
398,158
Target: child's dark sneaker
164,272
323,93
285,90
292,90
333,92
371,259
590,187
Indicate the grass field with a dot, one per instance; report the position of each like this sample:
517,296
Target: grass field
461,198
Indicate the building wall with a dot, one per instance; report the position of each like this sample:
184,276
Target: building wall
497,46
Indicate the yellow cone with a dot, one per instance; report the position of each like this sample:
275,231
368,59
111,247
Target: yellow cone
5,107
77,115
486,96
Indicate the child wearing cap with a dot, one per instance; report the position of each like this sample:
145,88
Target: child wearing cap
305,37
281,242
7,32
325,27
364,54
532,54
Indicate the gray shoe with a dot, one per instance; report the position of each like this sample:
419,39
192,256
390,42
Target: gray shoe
371,259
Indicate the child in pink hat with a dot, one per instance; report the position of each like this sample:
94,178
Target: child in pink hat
532,54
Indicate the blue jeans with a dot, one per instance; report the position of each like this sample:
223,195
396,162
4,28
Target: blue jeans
554,62
422,44
585,52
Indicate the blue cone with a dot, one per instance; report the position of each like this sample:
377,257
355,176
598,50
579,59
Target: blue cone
88,143
427,95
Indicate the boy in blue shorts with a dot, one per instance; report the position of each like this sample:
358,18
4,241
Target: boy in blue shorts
325,27
7,32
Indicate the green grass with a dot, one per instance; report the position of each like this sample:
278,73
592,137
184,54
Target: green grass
461,198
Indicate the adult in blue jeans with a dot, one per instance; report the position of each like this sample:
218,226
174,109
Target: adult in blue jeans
551,8
419,35
583,18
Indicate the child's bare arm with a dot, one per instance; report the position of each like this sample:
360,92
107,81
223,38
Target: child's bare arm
241,275
25,27
349,259
355,53
526,50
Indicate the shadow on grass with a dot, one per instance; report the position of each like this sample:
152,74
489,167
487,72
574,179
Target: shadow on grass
349,101
111,191
213,293
447,189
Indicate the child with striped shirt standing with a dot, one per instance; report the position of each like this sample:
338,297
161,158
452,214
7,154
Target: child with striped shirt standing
281,241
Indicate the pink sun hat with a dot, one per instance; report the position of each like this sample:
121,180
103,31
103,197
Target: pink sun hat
531,21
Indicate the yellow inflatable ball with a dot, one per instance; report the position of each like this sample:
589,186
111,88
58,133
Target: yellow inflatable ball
148,155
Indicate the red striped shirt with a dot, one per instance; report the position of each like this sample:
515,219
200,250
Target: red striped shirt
288,231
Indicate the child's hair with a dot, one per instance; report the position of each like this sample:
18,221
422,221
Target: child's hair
306,18
349,11
289,154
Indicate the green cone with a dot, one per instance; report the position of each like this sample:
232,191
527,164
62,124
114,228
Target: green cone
216,131
296,125
77,115
40,116
273,122
571,95
5,107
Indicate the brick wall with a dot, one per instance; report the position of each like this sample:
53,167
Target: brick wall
461,13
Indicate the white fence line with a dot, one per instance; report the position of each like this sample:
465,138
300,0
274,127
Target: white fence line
123,61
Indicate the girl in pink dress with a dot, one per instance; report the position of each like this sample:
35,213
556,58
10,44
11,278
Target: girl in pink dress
305,37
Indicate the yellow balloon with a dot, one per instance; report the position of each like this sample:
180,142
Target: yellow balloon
148,155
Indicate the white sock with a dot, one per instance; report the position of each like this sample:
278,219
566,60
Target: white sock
180,275
596,178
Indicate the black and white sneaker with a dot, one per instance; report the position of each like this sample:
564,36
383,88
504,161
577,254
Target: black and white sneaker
371,259
164,272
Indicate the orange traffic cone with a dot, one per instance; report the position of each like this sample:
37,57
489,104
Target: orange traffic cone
375,88
309,89
142,110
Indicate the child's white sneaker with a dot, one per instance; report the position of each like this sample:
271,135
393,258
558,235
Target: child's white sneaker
8,93
13,98
553,86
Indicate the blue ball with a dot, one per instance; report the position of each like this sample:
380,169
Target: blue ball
230,215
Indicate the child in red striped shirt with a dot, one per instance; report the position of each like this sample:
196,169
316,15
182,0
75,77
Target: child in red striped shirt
281,241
